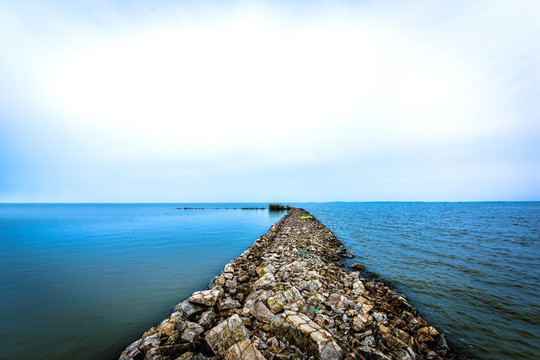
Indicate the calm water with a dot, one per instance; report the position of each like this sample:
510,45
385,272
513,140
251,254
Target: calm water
82,281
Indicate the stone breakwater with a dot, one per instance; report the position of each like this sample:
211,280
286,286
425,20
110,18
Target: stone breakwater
288,296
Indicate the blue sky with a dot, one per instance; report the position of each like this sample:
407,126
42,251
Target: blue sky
169,101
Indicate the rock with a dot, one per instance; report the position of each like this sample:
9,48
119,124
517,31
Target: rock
369,341
207,319
227,333
186,309
166,352
227,304
359,288
243,350
357,266
346,253
360,322
205,297
372,354
191,332
338,301
276,302
380,317
442,345
402,355
364,306
306,335
132,351
266,280
167,326
149,342
423,335
402,335
185,356
261,312
265,269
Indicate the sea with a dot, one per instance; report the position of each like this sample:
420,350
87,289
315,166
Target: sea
82,281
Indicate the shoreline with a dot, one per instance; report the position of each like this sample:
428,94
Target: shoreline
289,296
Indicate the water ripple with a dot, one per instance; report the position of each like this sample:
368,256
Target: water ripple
473,269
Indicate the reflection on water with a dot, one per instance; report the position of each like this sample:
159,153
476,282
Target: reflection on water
82,281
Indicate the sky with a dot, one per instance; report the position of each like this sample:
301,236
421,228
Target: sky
263,101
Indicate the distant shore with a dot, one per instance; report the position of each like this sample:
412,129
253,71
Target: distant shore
289,296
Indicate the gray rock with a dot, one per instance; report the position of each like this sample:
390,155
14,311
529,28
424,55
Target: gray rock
132,352
309,337
380,317
243,350
368,341
227,333
191,332
207,319
186,309
227,304
346,253
338,301
261,312
149,342
166,352
372,354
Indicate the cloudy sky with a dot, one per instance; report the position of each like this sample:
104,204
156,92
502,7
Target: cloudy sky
202,101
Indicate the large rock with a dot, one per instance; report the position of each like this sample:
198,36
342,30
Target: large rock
227,304
338,301
266,280
132,351
191,332
186,309
227,333
309,337
277,302
205,297
243,350
167,326
261,312
207,319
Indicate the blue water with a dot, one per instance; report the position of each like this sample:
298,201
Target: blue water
81,281
472,269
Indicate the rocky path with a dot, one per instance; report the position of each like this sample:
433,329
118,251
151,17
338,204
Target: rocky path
289,297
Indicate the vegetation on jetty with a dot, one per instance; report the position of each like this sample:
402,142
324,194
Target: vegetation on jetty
278,207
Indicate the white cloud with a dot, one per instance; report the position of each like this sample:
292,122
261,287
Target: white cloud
248,85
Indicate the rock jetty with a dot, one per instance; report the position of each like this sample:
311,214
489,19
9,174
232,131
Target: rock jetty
288,296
